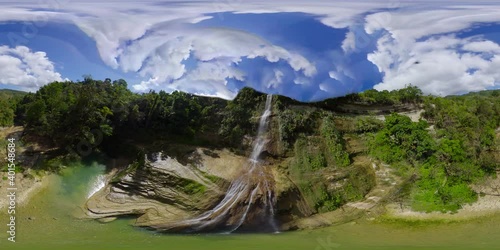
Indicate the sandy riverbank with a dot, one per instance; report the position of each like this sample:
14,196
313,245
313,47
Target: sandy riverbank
487,204
27,187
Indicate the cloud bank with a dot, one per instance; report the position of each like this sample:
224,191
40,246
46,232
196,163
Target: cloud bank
412,43
422,48
29,70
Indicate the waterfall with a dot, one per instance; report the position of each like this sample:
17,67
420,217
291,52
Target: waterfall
98,183
249,203
261,138
262,184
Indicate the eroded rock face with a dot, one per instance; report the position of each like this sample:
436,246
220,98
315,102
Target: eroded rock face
248,205
164,190
166,180
166,194
291,206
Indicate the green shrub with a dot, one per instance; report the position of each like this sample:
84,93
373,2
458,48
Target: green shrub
192,187
367,124
401,139
293,123
335,143
436,191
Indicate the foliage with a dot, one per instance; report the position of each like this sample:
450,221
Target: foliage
467,126
443,165
6,113
238,114
401,139
408,95
191,187
335,143
437,191
294,123
309,155
104,113
463,148
309,158
328,201
308,170
8,104
367,124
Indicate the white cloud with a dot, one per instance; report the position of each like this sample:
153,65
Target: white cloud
29,70
276,79
325,87
482,46
334,75
349,42
302,81
275,53
420,47
145,37
410,24
161,57
150,38
435,65
209,79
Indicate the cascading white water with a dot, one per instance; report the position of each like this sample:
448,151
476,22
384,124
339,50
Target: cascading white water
263,183
249,199
98,183
254,159
261,138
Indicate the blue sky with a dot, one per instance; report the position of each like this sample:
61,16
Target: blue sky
305,50
72,52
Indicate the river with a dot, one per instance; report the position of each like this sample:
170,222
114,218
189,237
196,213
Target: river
52,226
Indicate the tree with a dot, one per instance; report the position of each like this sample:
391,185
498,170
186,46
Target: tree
410,94
6,113
237,114
120,82
401,139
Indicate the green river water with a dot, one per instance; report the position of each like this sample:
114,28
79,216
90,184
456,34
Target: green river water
52,227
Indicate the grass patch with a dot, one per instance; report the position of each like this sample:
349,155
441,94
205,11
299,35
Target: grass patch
191,187
415,222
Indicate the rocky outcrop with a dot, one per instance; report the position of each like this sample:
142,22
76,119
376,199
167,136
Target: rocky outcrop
163,189
168,190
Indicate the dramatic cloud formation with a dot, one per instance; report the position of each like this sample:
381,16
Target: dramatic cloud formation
26,69
166,44
161,56
437,66
422,48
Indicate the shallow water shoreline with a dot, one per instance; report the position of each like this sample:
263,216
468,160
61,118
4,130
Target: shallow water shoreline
27,187
485,206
